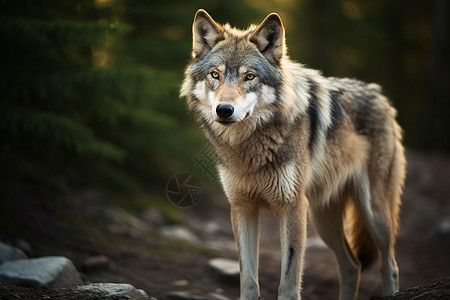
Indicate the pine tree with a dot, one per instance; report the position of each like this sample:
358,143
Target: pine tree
66,108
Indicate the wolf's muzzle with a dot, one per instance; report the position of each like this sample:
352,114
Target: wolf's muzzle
224,111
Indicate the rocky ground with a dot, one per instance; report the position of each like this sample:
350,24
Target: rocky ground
170,261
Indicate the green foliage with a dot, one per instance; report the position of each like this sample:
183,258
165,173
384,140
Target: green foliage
68,113
55,130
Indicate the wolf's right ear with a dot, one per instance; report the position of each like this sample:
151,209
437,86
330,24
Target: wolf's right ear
206,33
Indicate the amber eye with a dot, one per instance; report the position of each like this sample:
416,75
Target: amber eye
250,76
214,75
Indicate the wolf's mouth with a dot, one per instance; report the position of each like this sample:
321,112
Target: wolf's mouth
226,123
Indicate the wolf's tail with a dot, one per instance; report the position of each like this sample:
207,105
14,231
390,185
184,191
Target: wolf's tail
360,240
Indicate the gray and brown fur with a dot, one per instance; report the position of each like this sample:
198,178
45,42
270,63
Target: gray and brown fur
296,143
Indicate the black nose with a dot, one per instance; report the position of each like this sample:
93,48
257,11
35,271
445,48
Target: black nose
224,110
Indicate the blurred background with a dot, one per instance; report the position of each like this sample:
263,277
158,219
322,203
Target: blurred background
89,107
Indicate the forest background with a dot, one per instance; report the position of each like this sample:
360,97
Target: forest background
89,88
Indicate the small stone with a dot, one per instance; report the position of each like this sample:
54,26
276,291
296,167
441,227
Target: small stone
51,272
180,233
194,295
8,253
226,268
125,223
114,291
153,216
216,296
315,243
182,282
182,295
212,228
96,263
443,227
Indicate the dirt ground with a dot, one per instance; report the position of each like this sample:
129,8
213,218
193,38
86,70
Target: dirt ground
423,247
147,261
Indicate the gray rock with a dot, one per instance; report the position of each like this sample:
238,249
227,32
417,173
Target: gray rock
154,217
226,268
124,223
220,244
181,233
193,295
443,228
315,243
51,272
114,291
96,291
8,253
182,295
216,296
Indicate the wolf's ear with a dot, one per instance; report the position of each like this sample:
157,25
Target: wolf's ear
205,33
269,38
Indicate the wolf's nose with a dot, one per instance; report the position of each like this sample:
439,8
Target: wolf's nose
224,110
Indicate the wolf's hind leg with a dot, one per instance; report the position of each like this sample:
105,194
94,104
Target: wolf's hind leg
380,225
380,218
328,222
385,242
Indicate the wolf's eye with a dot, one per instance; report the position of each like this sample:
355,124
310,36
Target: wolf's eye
214,75
250,76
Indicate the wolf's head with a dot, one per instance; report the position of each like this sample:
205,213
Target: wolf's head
234,75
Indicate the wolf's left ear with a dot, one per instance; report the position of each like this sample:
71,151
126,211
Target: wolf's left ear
269,38
206,33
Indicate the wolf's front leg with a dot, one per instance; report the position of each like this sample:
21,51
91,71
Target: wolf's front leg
293,238
245,221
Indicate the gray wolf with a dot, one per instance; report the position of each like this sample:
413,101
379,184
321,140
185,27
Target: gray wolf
295,143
